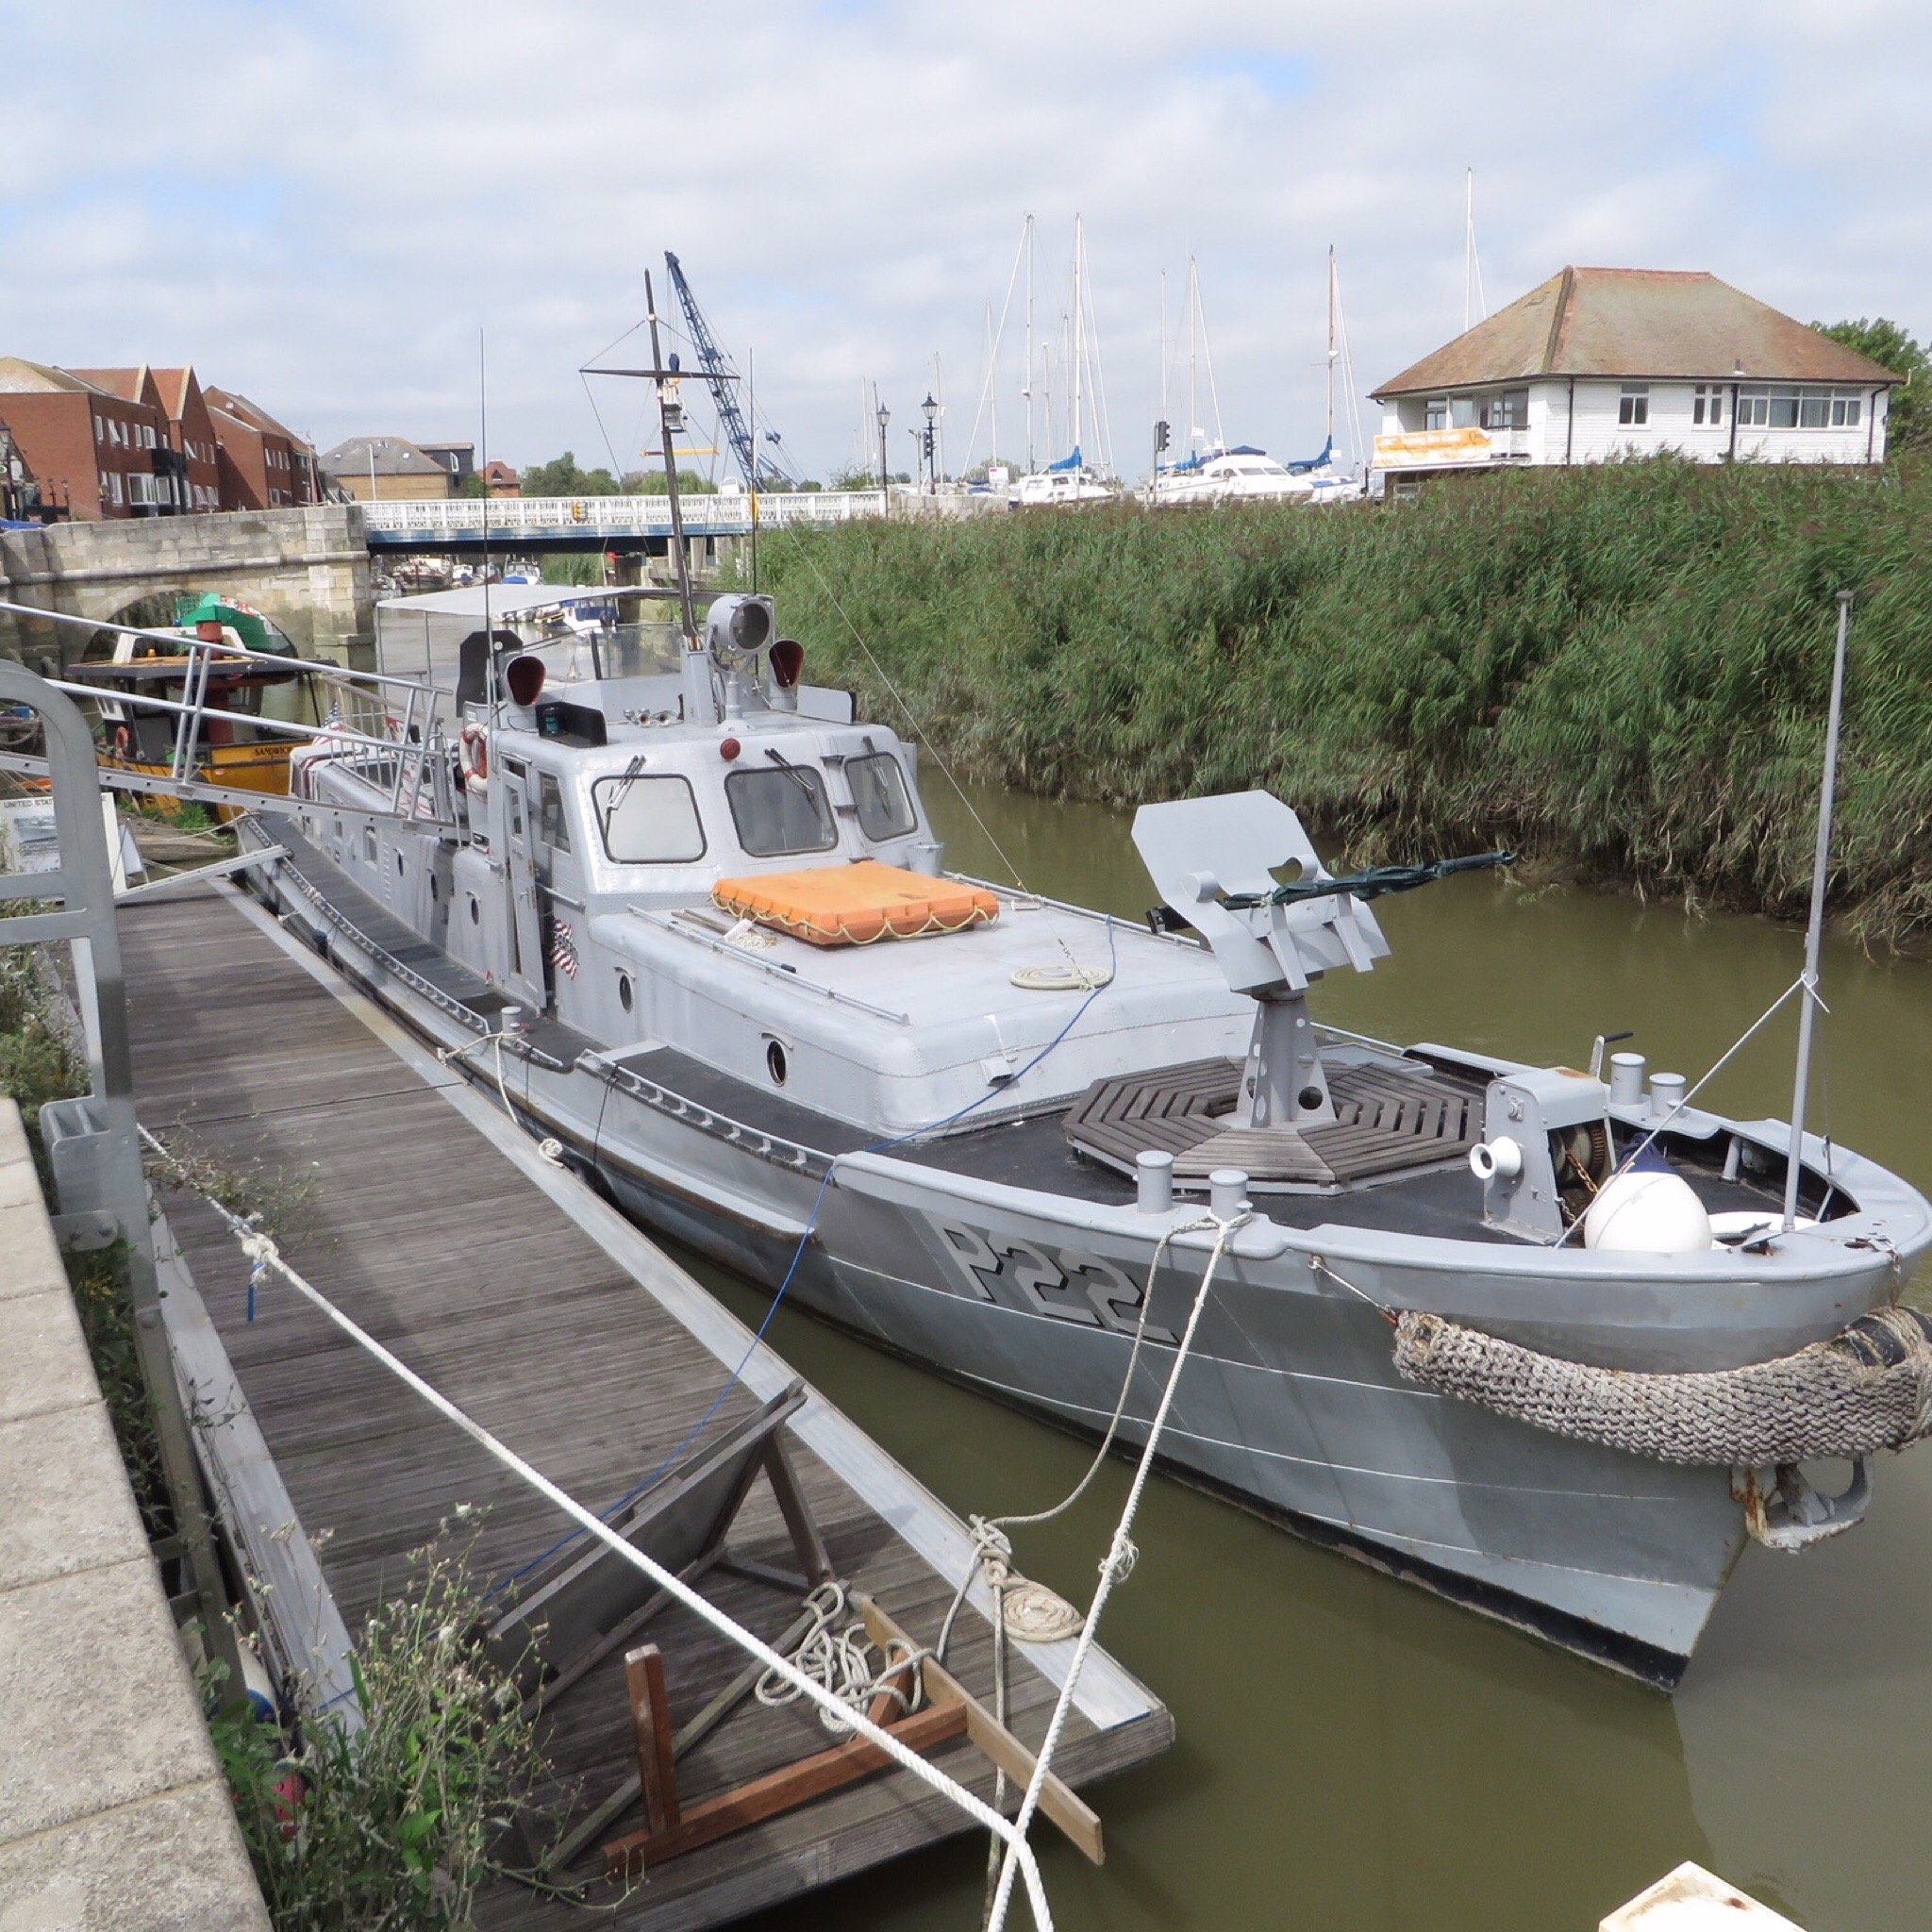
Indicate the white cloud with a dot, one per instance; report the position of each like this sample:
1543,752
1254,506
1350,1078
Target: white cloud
324,207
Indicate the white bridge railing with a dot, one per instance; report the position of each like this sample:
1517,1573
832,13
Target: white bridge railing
705,515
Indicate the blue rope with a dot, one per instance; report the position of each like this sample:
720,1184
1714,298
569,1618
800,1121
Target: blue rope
811,1223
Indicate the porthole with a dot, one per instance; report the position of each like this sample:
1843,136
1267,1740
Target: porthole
625,994
774,1062
475,913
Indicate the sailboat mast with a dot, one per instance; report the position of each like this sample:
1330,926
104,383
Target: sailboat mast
1079,327
1029,345
992,382
1193,354
1331,346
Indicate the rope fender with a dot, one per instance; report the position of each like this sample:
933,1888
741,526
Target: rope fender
1868,1388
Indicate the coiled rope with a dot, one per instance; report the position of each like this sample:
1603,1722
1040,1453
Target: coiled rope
845,1662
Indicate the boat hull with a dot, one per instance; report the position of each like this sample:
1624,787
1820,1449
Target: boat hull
1290,1403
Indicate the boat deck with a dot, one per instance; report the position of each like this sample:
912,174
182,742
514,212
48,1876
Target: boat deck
559,1327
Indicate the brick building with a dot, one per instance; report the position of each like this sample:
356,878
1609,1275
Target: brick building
142,442
92,449
191,430
500,479
263,465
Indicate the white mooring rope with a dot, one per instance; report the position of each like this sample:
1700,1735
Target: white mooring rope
1121,1554
262,1253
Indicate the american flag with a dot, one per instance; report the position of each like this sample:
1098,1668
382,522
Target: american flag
563,949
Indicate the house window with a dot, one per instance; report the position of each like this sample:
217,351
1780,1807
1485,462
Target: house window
1509,410
1707,403
1436,413
1633,404
100,431
114,486
1844,408
104,492
1463,412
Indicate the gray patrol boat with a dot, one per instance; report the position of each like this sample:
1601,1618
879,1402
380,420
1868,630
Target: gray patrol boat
1555,1344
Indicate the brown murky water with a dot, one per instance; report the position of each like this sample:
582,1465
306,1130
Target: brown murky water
1353,1754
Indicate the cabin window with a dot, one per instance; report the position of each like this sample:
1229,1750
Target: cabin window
648,821
780,811
553,827
878,789
1633,404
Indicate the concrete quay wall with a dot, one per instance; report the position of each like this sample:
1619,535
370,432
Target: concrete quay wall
307,569
114,1816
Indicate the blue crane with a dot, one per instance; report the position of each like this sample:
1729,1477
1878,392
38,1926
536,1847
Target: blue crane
762,469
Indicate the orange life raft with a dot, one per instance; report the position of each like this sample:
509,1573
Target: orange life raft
855,904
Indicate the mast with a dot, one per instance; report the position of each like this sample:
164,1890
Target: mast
1814,932
700,701
992,382
1029,345
1079,326
1332,348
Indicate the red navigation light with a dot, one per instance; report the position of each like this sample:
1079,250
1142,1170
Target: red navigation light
788,662
524,677
729,747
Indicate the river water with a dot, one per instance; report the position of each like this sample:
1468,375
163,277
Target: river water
1353,1754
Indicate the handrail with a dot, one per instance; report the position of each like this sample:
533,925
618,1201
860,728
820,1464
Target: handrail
510,516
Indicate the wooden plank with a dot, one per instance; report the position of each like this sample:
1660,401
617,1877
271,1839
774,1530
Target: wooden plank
1057,1802
781,1790
650,1716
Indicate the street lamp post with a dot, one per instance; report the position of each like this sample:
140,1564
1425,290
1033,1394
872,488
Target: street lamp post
930,410
885,498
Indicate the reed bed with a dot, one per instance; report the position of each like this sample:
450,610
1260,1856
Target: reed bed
1621,670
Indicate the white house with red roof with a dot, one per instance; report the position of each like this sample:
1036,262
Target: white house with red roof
1598,364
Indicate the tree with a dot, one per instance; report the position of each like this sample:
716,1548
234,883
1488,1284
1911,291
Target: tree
1886,343
471,485
651,483
560,477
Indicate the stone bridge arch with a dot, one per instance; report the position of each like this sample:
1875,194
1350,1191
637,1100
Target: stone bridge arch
307,569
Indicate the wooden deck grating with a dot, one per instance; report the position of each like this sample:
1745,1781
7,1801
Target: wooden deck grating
428,1234
1388,1119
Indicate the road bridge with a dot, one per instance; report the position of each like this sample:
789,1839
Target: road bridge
635,524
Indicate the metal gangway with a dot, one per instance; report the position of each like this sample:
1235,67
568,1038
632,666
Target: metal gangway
399,730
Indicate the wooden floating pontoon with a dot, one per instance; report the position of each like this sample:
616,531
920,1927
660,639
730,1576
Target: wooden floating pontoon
559,1328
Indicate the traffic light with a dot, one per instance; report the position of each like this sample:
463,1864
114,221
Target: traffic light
1159,438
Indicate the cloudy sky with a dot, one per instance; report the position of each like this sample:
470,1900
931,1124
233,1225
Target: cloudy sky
322,205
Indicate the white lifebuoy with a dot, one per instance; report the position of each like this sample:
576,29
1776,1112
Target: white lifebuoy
473,749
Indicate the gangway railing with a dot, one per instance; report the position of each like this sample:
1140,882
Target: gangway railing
395,724
91,1142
